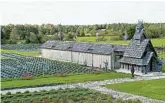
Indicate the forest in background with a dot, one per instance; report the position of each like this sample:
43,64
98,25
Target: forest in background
27,33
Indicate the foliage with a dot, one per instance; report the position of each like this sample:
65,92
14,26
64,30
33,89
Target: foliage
26,91
131,31
68,95
18,92
8,93
152,88
40,33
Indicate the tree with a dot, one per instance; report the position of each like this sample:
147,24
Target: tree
33,38
54,37
13,36
6,30
2,34
42,38
82,32
131,31
70,36
14,33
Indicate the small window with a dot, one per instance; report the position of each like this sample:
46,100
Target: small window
145,53
89,49
69,47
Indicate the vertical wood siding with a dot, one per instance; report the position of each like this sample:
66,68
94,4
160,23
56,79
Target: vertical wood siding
89,59
78,57
99,60
66,56
46,53
75,57
85,57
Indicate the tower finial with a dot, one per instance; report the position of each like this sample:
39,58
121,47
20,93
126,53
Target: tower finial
139,26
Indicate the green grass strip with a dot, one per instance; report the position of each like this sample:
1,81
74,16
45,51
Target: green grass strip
153,88
68,79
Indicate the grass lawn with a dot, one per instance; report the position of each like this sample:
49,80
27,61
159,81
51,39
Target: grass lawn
163,68
161,55
30,53
67,79
156,42
153,88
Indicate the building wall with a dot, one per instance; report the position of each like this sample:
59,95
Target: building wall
66,55
78,57
75,57
99,60
56,54
85,57
138,69
117,57
46,53
89,59
82,58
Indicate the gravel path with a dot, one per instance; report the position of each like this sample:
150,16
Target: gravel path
96,85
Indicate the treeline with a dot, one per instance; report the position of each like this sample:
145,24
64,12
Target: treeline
40,33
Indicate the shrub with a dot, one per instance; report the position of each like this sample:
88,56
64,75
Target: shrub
6,101
19,95
18,92
43,90
26,91
52,90
35,91
14,101
8,93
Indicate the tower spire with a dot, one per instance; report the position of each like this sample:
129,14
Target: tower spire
139,35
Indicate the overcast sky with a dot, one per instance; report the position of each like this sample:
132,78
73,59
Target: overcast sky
80,12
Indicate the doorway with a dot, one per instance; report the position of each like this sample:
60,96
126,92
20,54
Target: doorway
152,64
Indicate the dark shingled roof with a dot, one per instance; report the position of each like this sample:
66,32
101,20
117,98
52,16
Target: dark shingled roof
137,61
140,50
102,48
49,44
83,47
120,48
62,45
134,50
139,36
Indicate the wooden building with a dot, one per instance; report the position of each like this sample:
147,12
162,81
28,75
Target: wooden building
139,54
89,54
